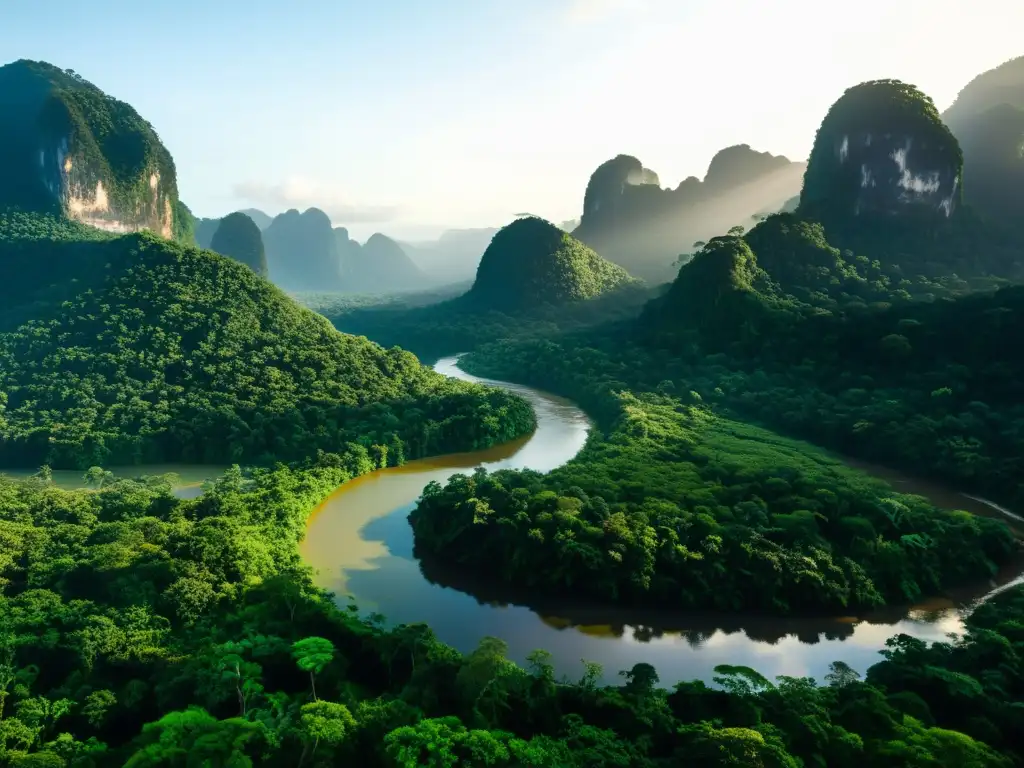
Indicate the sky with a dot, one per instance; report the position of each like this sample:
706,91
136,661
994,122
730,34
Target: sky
413,116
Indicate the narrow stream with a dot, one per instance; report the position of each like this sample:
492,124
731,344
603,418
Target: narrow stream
360,542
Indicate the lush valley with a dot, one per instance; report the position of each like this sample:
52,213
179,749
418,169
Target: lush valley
137,628
534,280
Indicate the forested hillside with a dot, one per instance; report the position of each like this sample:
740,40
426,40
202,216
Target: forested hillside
136,349
533,281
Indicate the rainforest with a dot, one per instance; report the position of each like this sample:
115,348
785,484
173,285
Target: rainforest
553,438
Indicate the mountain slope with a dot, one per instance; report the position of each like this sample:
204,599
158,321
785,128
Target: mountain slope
882,150
302,253
138,349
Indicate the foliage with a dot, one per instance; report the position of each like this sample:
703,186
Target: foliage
675,506
184,225
137,349
532,262
107,142
461,324
105,661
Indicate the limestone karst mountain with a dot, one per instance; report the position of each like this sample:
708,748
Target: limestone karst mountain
631,220
239,238
380,265
882,150
987,119
67,148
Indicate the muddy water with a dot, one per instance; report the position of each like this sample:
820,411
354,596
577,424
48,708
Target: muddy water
361,543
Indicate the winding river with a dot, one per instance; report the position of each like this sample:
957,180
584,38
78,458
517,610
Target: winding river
360,543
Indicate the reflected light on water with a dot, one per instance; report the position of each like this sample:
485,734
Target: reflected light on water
360,542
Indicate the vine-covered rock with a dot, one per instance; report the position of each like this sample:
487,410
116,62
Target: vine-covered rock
882,149
532,262
67,147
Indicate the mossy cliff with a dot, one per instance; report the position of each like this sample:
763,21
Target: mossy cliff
68,148
882,149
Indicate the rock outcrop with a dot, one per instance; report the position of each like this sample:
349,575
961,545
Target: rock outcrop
629,219
883,150
66,147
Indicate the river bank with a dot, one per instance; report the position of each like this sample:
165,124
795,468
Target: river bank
361,544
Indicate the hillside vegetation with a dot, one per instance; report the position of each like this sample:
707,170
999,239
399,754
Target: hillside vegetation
136,349
531,262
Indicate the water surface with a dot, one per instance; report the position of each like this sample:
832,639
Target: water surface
361,543
189,484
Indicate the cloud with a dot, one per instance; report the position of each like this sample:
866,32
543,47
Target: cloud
590,11
297,192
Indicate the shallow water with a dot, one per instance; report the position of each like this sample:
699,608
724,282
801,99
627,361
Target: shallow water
190,476
361,543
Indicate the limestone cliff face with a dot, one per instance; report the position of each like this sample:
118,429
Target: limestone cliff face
69,148
631,220
882,150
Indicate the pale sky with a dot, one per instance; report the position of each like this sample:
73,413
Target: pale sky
411,116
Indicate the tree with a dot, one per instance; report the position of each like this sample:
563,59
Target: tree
324,721
641,679
195,737
312,654
841,675
96,477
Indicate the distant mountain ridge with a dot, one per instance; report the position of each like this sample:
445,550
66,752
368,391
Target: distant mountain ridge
988,120
631,220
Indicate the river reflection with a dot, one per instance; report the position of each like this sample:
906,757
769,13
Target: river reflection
361,543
